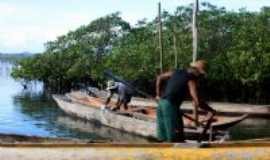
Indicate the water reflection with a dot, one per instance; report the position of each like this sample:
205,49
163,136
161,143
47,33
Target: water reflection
29,111
44,118
36,111
103,131
5,68
41,113
251,128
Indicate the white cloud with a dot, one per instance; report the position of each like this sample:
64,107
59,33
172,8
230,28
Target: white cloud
7,8
25,28
27,25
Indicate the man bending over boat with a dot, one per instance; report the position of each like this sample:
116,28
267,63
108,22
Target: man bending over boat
170,127
124,95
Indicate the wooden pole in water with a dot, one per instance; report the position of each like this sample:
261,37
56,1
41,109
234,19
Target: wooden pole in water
160,38
195,30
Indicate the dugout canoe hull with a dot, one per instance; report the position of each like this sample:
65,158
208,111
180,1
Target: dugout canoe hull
221,122
134,125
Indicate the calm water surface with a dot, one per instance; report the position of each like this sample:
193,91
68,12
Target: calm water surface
30,112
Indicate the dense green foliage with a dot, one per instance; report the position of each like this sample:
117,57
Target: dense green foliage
236,44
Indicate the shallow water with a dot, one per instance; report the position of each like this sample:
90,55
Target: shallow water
255,128
31,112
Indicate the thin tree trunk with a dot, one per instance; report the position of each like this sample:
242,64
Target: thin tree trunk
160,38
175,51
195,45
195,30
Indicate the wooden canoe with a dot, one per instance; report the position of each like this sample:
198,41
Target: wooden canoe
148,113
137,123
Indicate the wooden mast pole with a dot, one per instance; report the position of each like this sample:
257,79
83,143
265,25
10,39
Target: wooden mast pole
195,30
160,38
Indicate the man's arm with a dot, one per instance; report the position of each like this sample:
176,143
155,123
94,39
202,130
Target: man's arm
108,98
160,79
192,86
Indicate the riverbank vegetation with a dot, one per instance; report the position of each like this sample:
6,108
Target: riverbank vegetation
236,44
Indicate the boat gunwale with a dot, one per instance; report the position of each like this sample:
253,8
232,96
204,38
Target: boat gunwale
232,144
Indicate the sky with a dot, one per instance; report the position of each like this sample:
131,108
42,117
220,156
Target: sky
25,25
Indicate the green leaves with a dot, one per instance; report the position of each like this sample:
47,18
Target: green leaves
236,44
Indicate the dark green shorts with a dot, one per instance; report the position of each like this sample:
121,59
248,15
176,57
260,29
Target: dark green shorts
169,122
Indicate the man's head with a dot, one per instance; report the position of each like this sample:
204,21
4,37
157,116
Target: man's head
200,66
110,85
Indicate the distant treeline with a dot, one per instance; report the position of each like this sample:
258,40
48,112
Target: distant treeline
236,44
13,57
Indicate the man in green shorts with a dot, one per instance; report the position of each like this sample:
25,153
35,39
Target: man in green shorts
170,127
